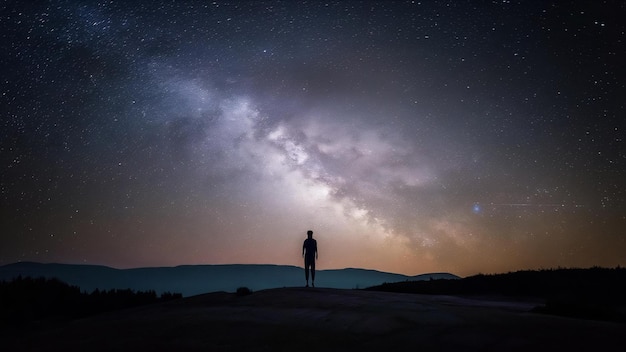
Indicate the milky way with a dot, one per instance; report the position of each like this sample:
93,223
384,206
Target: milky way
411,137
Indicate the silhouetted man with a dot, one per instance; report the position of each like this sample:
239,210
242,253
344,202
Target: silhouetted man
309,252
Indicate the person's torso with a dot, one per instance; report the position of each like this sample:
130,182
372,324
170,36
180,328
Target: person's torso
310,245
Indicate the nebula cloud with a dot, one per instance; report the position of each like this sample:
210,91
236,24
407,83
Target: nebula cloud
407,137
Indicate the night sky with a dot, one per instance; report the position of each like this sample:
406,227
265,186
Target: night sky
411,137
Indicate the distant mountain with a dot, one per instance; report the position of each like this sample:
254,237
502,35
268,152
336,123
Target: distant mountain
197,279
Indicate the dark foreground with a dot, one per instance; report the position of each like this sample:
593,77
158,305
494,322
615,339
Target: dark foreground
299,319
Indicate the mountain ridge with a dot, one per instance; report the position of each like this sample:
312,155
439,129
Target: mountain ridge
191,280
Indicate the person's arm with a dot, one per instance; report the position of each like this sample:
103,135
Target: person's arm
303,248
316,250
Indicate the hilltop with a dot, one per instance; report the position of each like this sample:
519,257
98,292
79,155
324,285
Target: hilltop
315,319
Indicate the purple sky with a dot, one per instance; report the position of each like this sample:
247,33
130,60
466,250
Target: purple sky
411,137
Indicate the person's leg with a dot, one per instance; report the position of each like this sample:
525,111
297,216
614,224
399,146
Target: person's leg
306,271
312,272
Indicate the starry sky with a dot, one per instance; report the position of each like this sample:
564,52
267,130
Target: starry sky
411,137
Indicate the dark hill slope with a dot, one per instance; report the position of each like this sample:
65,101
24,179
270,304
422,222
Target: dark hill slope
597,293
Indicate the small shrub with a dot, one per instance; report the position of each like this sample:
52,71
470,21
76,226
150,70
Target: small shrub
243,291
168,296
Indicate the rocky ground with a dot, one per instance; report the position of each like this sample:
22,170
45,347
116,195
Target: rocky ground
317,319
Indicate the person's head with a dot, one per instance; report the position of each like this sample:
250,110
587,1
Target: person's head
309,233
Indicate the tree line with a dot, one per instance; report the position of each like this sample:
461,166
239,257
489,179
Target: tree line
27,299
